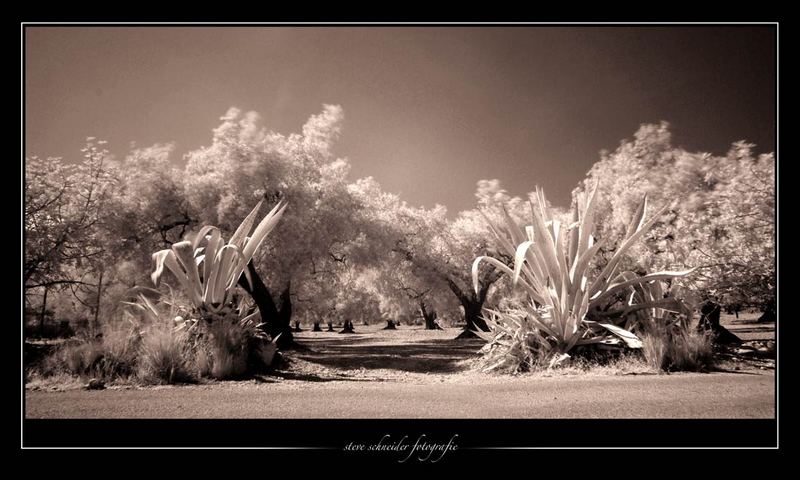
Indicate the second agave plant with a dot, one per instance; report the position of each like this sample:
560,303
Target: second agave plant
553,264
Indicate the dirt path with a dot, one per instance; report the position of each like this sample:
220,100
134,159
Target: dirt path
717,395
412,373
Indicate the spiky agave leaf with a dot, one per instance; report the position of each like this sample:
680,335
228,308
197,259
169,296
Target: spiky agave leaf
630,339
244,228
185,254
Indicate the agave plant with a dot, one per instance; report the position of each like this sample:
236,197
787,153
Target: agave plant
208,269
552,263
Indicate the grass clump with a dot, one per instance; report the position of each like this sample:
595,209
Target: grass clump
161,352
228,345
109,355
164,357
678,350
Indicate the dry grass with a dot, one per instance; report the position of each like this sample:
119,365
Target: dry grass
110,355
229,347
688,350
164,357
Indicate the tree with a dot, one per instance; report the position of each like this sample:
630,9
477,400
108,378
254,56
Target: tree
150,209
407,292
721,216
437,249
245,162
66,211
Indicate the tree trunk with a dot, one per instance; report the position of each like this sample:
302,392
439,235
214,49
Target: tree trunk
390,325
297,326
709,323
473,307
348,327
709,316
429,317
97,301
283,326
317,328
770,313
330,327
276,321
472,315
43,314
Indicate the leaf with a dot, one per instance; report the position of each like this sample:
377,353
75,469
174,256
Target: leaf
185,255
244,228
202,235
587,222
488,336
160,259
519,259
574,238
631,340
263,229
210,260
134,291
497,263
638,217
558,360
669,304
665,275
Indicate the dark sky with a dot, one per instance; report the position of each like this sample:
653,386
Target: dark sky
429,110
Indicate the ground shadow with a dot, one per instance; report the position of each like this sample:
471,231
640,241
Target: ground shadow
310,377
752,329
728,370
429,356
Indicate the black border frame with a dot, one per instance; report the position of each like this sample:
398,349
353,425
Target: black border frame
329,436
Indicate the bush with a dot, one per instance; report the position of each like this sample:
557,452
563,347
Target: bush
50,329
159,349
164,356
110,355
202,360
678,350
229,345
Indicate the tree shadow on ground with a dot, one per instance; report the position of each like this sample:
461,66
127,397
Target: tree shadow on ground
429,356
753,329
728,370
311,377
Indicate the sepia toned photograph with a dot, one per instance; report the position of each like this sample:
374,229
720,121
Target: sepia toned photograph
387,222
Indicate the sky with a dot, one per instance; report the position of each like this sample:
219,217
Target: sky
429,110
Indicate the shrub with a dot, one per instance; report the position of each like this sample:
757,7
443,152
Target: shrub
654,350
229,347
110,355
164,356
202,360
678,350
168,351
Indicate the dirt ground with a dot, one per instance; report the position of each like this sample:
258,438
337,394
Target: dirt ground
414,373
746,327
